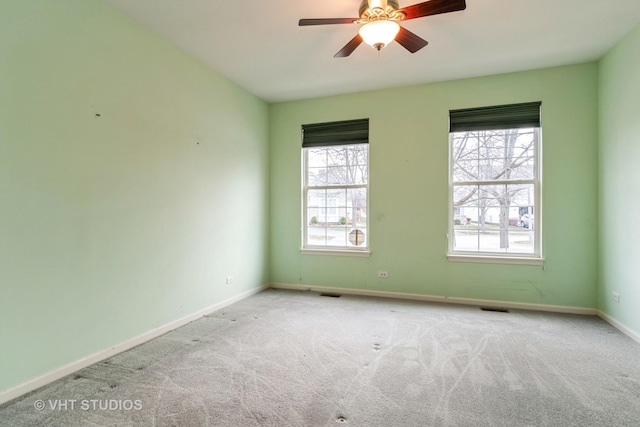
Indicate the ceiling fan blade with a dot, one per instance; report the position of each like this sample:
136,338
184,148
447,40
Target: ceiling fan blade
326,21
349,47
410,41
433,7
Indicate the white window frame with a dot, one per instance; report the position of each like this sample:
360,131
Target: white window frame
357,251
535,258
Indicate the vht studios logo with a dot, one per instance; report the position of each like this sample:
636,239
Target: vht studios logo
88,405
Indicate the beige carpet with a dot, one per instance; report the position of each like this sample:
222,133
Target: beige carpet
287,358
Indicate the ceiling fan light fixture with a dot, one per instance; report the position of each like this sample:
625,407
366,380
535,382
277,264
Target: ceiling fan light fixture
378,34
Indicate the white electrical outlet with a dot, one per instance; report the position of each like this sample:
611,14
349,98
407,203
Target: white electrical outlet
615,297
229,280
383,274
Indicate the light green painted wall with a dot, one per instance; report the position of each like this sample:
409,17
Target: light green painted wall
115,225
408,199
620,181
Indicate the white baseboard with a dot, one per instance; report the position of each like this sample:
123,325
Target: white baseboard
72,367
619,326
434,298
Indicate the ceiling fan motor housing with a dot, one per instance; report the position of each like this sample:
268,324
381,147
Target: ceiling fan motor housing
364,7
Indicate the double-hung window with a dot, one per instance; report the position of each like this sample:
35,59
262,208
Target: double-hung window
495,184
335,158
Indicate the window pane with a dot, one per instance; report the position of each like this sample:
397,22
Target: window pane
317,176
337,175
336,235
357,206
336,202
347,164
317,206
316,217
317,157
465,170
494,218
493,155
316,235
465,222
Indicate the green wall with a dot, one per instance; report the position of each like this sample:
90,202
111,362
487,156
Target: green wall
408,190
118,224
620,181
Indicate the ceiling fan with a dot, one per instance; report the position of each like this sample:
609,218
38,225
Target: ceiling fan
380,19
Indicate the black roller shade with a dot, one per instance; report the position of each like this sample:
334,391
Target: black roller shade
525,115
335,133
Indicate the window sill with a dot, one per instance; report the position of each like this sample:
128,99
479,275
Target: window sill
488,259
336,252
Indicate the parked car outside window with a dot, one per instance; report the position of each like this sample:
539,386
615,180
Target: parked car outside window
526,221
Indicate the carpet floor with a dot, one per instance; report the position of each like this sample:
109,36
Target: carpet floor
289,358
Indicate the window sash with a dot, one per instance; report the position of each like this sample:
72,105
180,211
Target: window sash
306,220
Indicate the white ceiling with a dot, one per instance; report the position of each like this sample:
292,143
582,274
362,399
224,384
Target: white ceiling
259,45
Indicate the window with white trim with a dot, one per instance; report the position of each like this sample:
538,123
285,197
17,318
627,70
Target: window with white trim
494,176
336,186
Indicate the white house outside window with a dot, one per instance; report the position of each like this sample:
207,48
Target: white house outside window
495,212
335,187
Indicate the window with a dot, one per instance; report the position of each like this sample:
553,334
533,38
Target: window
336,186
494,177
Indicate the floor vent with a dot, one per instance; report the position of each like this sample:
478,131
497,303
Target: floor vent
499,310
331,295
